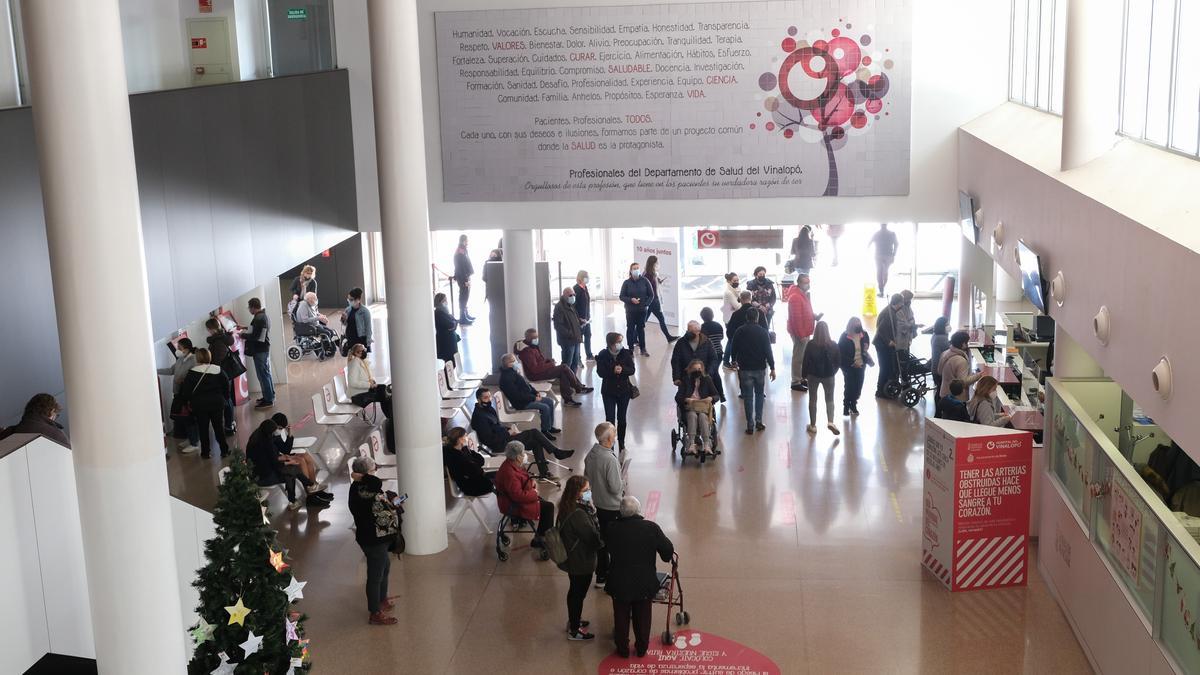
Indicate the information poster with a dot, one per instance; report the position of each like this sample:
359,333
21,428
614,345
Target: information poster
977,500
778,98
669,269
1125,529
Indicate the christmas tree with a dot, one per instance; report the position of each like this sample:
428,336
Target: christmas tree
247,624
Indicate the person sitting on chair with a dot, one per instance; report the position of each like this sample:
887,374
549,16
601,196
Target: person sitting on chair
522,396
695,401
485,421
540,369
271,468
361,385
465,465
307,320
953,407
517,495
284,442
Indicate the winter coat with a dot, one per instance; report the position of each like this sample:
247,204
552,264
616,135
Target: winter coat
820,363
730,304
567,326
939,344
447,338
846,351
583,302
485,422
632,544
535,364
986,412
178,371
885,327
581,537
611,383
205,387
258,338
738,319
358,376
302,312
375,522
42,426
688,385
219,345
954,365
636,288
263,455
750,348
954,409
603,471
763,291
715,334
803,251
516,388
683,354
361,320
515,492
463,269
906,327
800,314
466,468
300,289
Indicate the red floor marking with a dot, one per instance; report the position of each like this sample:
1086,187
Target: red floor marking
785,453
650,510
741,469
782,413
303,421
708,494
787,508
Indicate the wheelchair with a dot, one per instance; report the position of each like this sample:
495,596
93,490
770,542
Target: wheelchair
308,341
686,444
512,525
914,379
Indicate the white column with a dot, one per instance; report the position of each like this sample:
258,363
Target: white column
966,281
1071,359
90,194
520,284
404,216
1091,82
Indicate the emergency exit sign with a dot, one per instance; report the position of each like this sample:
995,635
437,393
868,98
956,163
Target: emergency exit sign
298,14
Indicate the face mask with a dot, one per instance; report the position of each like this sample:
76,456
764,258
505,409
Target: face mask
486,404
696,373
616,349
584,282
805,287
734,284
635,273
760,277
586,496
570,299
534,342
443,306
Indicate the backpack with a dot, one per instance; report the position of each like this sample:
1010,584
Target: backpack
555,547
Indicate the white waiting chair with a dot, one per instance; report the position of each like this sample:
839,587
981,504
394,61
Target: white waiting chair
339,387
509,415
335,408
468,504
458,381
462,370
454,384
377,449
303,442
448,393
332,422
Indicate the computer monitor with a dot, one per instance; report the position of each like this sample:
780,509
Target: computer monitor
1043,326
1031,276
966,216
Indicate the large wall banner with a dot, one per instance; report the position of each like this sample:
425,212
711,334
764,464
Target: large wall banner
780,98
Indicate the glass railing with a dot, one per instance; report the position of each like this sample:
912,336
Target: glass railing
1143,543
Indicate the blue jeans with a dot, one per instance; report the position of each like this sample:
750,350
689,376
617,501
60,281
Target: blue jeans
754,384
570,356
545,408
262,368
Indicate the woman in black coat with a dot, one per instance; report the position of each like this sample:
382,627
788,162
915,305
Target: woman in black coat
583,308
465,465
854,352
446,328
205,388
821,361
615,366
696,385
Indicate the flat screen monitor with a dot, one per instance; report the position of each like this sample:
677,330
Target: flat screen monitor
1031,276
966,215
1043,326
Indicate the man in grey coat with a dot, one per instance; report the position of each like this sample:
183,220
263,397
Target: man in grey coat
568,329
603,471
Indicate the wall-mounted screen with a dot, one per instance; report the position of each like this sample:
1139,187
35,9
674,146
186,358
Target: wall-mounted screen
1031,276
776,98
966,216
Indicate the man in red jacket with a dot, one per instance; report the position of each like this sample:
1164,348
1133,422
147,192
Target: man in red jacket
539,368
801,323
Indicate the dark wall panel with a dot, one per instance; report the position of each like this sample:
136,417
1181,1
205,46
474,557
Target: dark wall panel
235,182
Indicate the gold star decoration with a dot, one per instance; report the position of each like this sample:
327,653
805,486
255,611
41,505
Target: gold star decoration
237,613
277,561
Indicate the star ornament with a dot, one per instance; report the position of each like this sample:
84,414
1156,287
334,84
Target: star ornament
277,561
290,628
202,633
252,644
237,613
226,668
295,590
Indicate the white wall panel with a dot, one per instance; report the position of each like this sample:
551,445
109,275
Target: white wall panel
23,613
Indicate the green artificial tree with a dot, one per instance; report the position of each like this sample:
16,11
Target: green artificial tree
247,623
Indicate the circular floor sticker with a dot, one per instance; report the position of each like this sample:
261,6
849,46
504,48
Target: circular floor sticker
691,652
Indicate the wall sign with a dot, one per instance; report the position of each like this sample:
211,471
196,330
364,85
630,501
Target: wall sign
1126,530
205,6
297,14
776,98
669,270
199,43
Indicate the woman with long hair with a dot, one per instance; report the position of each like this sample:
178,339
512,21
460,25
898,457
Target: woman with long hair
854,357
655,308
360,382
305,283
730,304
615,367
820,368
205,388
983,407
583,309
581,537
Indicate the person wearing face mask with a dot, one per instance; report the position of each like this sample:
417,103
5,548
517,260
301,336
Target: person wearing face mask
305,283
465,465
41,417
763,290
984,406
583,309
285,441
636,294
485,422
738,318
751,347
357,319
308,320
580,533
184,426
730,304
522,396
694,346
462,275
801,324
602,468
517,495
854,357
695,398
360,382
220,343
615,367
820,369
715,335
804,251
446,329
538,368
655,307
490,272
906,324
885,345
568,329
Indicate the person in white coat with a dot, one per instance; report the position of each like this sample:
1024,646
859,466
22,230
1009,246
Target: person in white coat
730,304
184,427
360,383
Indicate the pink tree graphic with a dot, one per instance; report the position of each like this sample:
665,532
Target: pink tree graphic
825,91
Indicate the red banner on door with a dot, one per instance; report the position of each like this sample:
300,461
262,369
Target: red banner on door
199,43
205,6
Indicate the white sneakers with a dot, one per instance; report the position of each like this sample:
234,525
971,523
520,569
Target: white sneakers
318,487
188,449
294,506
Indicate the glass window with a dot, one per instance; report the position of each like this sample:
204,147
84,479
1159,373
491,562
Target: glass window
1036,44
1186,110
1128,532
1181,604
1071,453
1160,73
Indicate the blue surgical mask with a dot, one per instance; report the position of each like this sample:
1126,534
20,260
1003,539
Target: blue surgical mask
534,342
586,496
635,273
570,299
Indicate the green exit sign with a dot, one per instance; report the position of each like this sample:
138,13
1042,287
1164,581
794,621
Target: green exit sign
298,14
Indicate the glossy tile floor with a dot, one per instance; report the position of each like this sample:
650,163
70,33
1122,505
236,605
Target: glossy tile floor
805,549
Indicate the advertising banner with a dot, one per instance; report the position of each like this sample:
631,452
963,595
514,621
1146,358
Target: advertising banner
669,269
976,505
776,98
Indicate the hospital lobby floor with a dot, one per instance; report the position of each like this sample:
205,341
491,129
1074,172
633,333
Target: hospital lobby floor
805,549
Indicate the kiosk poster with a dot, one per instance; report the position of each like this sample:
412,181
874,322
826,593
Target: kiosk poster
1125,526
776,98
669,270
987,502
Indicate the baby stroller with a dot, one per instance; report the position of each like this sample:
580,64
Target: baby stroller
913,379
688,446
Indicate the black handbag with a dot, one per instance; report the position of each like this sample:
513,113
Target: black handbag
233,366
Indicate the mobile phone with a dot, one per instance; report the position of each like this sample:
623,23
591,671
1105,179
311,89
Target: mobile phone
401,499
